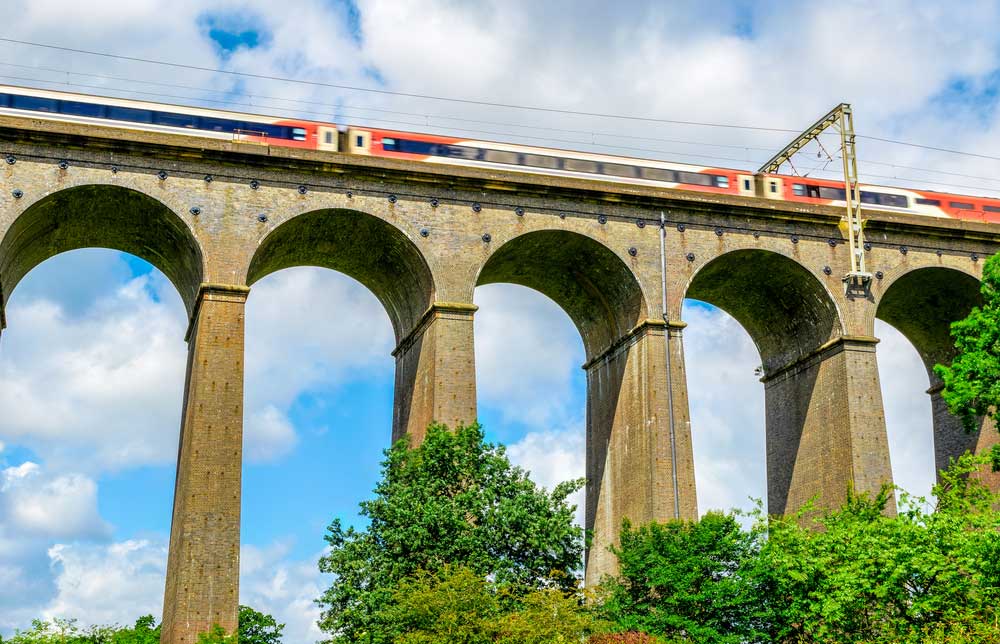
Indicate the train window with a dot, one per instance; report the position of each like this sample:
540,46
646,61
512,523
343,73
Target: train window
991,208
928,202
698,179
409,147
500,156
300,135
129,114
457,151
617,170
541,161
34,103
961,205
774,186
580,165
77,108
833,194
216,125
799,189
658,174
359,141
721,181
175,120
4,100
883,199
746,184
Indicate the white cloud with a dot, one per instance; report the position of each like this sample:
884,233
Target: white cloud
107,381
727,410
105,584
273,583
553,457
528,357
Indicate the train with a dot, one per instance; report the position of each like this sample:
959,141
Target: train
432,148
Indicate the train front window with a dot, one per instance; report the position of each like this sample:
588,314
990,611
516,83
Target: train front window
77,108
34,103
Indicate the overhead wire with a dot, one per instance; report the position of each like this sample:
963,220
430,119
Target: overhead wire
335,108
341,110
354,88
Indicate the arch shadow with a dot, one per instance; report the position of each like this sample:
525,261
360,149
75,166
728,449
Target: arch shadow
790,317
361,246
921,304
603,298
102,216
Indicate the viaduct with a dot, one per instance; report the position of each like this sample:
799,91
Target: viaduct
216,216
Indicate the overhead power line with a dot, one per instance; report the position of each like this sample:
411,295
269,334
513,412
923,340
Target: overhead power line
354,88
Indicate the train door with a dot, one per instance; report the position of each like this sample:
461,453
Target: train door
359,141
327,138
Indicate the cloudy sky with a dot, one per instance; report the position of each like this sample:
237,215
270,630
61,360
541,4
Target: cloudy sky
92,364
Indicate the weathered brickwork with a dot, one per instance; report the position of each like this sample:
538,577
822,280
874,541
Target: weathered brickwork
216,217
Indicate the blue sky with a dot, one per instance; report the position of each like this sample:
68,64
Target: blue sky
92,364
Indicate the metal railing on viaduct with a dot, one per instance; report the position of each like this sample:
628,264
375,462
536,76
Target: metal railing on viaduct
216,217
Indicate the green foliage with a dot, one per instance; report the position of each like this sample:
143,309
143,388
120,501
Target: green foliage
255,628
848,576
458,606
453,500
258,628
687,578
972,381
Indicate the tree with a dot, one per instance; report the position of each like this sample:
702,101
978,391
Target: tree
687,579
456,500
457,606
972,380
254,628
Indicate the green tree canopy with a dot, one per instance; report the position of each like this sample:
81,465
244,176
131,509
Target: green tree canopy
854,575
972,380
453,500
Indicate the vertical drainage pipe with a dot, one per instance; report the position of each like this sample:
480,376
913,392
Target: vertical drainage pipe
666,344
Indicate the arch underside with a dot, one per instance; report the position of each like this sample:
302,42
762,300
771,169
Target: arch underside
783,307
101,216
362,246
586,279
923,303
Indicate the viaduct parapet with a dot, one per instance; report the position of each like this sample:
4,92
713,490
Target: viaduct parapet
216,217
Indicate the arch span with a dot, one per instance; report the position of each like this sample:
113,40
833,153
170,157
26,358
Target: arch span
360,245
630,455
825,430
783,307
921,304
591,283
102,216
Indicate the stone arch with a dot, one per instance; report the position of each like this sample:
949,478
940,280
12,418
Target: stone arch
102,216
784,307
628,453
598,291
921,303
362,246
825,430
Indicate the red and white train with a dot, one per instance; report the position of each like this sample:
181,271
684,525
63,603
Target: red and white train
430,148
